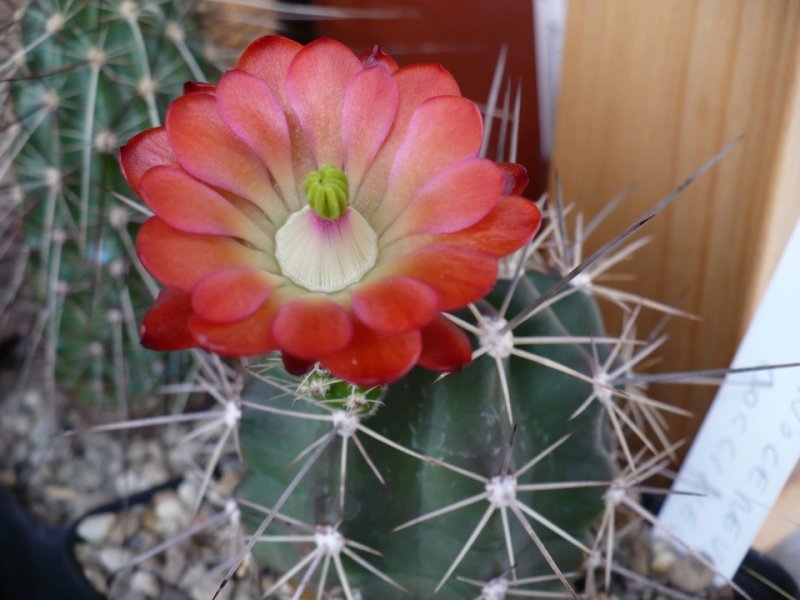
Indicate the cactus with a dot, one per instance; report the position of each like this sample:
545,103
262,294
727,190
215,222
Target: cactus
461,420
499,475
86,76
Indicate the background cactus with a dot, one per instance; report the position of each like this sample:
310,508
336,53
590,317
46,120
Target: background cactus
89,77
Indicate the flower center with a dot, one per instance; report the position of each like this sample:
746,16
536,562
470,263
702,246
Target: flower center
325,255
328,192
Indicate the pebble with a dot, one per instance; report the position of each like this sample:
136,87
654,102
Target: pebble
690,575
188,491
663,557
193,575
97,579
172,516
231,476
95,529
61,493
175,565
128,523
153,474
114,558
128,482
145,583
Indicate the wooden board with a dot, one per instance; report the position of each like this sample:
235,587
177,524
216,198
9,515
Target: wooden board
650,91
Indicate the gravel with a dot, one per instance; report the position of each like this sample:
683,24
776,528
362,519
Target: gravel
62,479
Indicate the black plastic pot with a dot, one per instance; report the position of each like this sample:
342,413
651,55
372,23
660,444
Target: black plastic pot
36,560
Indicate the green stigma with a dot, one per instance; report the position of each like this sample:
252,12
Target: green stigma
328,192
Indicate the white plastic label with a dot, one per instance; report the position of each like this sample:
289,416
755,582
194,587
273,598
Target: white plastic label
750,440
549,21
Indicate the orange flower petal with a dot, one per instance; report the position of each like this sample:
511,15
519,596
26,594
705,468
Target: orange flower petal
421,81
268,58
512,223
443,131
188,205
296,366
165,327
144,151
316,84
415,84
210,151
374,358
375,56
515,178
250,109
459,275
370,104
195,87
312,327
180,259
252,336
456,198
395,304
232,295
445,347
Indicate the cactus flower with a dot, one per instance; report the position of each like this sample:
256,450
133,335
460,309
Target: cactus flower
324,205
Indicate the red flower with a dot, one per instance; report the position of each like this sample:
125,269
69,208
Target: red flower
325,206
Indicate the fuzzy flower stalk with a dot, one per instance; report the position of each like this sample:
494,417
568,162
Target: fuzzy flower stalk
323,205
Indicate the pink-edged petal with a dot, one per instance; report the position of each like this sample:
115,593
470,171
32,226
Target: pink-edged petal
191,206
443,131
458,275
210,151
312,327
268,58
251,336
232,295
415,84
374,358
445,347
194,87
515,178
395,304
180,259
375,56
512,223
370,104
143,152
458,197
165,327
316,84
421,81
250,109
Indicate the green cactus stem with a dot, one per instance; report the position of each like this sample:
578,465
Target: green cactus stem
461,420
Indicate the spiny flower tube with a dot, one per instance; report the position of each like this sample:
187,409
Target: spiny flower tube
326,206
